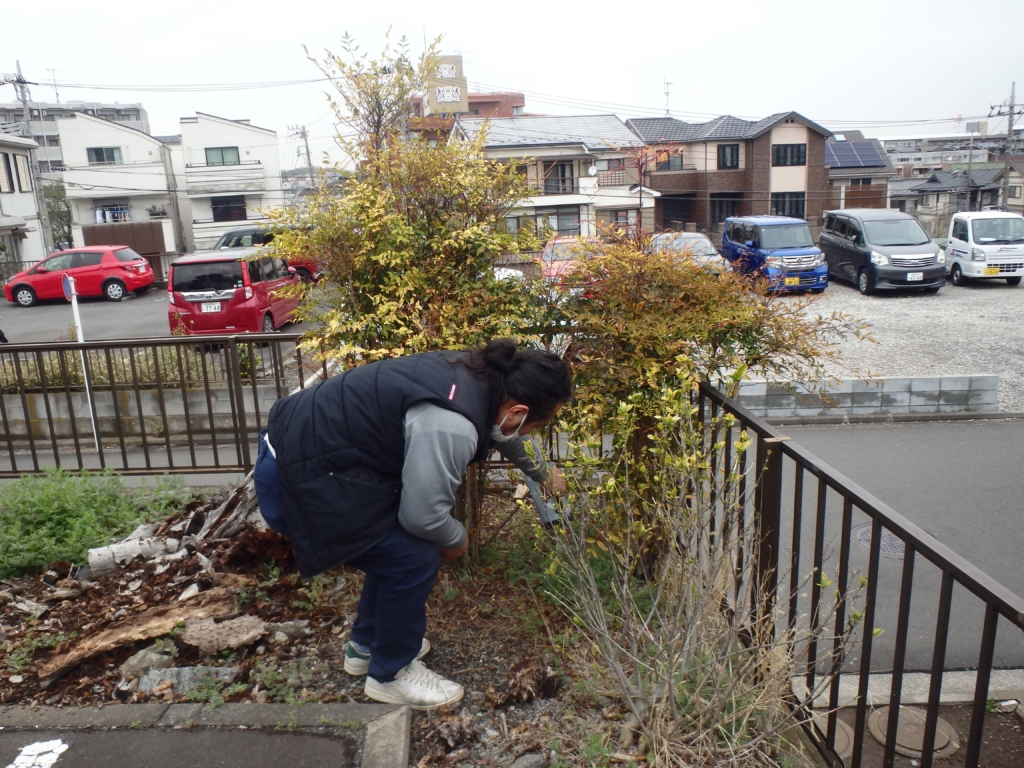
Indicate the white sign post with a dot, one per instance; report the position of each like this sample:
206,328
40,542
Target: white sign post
71,295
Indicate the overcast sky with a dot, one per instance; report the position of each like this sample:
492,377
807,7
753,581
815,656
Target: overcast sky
870,64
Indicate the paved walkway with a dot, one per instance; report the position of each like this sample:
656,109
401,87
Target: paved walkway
193,735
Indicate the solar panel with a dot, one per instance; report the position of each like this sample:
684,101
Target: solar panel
853,154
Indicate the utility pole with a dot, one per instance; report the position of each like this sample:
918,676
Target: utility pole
301,132
21,90
1010,145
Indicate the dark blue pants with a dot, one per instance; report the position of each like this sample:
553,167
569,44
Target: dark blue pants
268,489
400,571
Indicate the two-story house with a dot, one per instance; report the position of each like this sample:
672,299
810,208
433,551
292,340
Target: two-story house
859,171
21,236
232,174
728,167
166,195
578,168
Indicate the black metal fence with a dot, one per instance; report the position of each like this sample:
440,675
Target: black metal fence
925,611
182,404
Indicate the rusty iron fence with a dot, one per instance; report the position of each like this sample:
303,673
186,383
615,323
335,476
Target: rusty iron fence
185,404
925,611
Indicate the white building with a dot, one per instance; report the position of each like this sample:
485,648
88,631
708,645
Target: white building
232,174
577,165
166,195
21,236
43,117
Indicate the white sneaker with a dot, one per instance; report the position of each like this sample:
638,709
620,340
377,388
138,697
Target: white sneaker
357,663
415,686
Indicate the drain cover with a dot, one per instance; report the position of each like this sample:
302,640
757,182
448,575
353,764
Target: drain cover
910,732
844,736
890,546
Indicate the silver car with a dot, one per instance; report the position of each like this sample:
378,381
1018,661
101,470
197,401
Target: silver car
694,245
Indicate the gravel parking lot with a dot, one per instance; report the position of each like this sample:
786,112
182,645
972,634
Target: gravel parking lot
977,329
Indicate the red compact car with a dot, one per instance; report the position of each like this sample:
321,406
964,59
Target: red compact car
215,292
99,270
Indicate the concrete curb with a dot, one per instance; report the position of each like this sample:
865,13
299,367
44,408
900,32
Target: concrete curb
894,418
388,739
388,728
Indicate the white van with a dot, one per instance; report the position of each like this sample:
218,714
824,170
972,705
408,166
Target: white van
985,245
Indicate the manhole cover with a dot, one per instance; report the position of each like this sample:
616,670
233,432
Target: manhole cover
844,736
910,732
890,546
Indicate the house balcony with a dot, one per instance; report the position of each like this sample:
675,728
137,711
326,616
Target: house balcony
559,186
203,180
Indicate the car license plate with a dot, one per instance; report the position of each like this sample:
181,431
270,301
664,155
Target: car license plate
210,306
914,276
991,271
792,281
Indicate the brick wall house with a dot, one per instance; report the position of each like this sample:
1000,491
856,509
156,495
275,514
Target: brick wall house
728,167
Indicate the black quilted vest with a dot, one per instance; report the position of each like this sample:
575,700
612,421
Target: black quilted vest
341,445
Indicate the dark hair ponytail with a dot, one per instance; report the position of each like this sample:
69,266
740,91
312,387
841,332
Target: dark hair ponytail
541,381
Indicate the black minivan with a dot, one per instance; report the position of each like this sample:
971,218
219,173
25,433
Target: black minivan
881,249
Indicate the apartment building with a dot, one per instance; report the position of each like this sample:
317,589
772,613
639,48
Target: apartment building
43,117
578,168
21,236
729,166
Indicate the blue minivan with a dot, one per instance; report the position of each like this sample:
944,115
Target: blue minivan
778,248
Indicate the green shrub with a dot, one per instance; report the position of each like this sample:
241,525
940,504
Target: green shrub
61,514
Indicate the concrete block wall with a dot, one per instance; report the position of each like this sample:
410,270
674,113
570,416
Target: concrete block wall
875,396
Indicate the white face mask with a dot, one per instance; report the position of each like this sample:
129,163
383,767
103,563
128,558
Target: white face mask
498,437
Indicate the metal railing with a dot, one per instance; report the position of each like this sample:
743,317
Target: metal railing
804,509
559,186
186,404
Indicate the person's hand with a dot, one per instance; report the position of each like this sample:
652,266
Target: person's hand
556,482
454,553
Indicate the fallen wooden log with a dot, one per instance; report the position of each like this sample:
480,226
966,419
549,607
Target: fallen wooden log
106,559
215,603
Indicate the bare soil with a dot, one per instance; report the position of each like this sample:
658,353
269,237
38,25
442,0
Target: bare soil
491,629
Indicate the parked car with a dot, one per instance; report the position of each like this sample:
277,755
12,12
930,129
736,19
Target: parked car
985,245
558,257
217,292
778,248
694,245
251,237
881,249
110,271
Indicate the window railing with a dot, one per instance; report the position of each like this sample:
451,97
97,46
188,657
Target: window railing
223,165
559,186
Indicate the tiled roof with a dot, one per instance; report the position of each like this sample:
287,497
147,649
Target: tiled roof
595,131
658,130
942,181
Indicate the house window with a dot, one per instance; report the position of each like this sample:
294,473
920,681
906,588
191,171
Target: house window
512,224
23,174
104,155
670,161
561,221
789,154
517,111
474,111
1014,191
222,156
559,179
788,204
926,200
6,173
729,156
860,182
112,213
723,205
228,208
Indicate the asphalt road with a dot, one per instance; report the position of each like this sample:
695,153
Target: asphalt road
135,317
960,482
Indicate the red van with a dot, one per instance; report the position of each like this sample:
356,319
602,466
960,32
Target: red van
220,293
